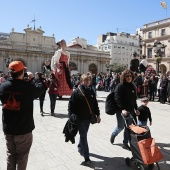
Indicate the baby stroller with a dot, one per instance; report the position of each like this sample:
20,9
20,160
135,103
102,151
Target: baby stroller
144,150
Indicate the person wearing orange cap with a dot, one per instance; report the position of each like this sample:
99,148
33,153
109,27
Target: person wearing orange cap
17,98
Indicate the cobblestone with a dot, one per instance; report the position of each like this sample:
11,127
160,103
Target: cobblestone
50,151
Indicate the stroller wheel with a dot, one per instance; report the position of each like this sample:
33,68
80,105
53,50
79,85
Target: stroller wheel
128,162
151,166
139,166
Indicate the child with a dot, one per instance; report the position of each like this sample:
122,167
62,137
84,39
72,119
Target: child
144,113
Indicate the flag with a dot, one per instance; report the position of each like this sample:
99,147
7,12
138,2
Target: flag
163,4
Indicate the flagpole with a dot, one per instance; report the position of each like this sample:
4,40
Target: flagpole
166,8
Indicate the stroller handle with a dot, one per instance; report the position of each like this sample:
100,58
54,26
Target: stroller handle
128,117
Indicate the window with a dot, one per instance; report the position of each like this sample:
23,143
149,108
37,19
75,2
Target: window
149,34
109,46
101,47
132,44
163,32
149,52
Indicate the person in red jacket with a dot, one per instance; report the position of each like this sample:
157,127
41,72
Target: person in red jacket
17,97
52,85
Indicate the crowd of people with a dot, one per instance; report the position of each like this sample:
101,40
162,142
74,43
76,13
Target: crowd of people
155,87
128,86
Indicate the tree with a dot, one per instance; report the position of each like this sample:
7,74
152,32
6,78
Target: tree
116,67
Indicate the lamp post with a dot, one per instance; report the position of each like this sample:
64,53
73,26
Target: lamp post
108,67
7,61
159,49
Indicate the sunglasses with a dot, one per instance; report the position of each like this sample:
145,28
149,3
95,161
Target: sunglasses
129,76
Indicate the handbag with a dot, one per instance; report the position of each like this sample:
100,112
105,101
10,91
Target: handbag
93,117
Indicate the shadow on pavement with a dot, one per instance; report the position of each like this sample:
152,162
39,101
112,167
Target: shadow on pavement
101,97
57,115
165,150
63,99
105,163
60,115
101,101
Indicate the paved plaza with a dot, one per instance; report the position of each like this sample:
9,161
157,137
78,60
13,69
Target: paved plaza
50,151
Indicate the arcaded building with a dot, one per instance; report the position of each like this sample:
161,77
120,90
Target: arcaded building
160,31
34,50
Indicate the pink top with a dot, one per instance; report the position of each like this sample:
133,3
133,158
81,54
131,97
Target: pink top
2,79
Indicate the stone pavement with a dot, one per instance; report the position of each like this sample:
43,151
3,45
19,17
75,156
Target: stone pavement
50,151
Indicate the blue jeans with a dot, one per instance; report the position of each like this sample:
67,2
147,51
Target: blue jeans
121,126
83,143
142,123
52,102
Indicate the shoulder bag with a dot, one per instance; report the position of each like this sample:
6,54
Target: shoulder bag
93,117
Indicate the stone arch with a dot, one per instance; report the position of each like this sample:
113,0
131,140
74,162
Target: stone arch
163,68
93,68
72,66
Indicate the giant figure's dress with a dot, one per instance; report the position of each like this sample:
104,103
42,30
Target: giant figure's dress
63,88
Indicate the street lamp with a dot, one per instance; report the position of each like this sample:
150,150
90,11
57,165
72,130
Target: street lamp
7,61
159,49
107,67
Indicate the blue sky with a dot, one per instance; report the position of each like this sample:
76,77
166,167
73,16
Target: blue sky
87,19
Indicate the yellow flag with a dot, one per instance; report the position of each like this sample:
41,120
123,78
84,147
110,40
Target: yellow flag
164,5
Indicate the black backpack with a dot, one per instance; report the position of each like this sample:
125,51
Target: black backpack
110,105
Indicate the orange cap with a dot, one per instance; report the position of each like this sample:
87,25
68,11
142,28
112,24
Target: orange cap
16,66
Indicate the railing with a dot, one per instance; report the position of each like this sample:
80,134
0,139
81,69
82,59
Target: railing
157,23
165,56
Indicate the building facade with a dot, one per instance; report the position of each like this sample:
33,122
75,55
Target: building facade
120,45
31,47
86,57
34,50
160,31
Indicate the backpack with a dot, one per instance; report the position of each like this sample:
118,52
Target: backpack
110,105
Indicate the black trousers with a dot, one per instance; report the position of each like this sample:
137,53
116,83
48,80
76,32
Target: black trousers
52,102
41,98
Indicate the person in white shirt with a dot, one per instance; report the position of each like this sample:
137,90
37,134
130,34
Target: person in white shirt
60,68
143,64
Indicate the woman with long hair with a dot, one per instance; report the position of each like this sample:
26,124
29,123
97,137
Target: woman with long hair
52,85
125,97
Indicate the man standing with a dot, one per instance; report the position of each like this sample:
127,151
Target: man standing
17,98
134,63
